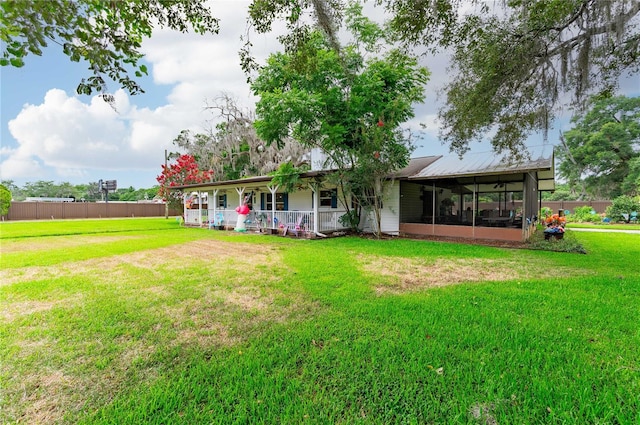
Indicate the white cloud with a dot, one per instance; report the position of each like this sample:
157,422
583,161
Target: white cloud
77,137
72,136
19,166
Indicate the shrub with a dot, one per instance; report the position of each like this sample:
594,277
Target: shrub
545,211
582,214
622,207
5,200
350,220
568,243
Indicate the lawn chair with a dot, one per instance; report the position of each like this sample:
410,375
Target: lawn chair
261,221
218,220
298,226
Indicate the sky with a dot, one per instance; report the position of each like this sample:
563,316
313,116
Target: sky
50,133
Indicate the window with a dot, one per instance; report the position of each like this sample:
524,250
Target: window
328,198
222,201
280,202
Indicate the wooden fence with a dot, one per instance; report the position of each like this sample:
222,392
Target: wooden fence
598,206
67,210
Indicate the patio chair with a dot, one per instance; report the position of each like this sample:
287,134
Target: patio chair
218,220
261,220
298,226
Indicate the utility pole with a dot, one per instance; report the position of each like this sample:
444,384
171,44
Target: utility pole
166,201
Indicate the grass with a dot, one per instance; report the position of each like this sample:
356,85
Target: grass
615,226
143,321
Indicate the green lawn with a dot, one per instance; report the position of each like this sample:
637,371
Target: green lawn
616,226
144,321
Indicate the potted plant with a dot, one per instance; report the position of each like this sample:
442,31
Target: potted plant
554,226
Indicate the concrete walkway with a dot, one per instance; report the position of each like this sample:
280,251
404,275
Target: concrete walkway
582,229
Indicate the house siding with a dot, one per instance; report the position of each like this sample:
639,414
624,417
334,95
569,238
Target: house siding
300,200
411,211
390,215
390,219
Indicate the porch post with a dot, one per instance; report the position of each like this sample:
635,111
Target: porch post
273,191
184,208
474,208
215,206
240,191
433,208
200,208
316,201
539,197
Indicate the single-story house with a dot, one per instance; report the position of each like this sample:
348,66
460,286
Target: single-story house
478,196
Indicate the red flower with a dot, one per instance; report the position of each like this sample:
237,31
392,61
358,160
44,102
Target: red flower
183,172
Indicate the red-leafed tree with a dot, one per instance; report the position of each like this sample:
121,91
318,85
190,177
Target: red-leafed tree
182,172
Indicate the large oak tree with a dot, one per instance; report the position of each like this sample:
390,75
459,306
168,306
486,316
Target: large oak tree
600,153
231,148
515,63
107,35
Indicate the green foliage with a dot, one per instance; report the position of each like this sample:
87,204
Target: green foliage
106,35
345,102
497,87
351,220
50,189
584,214
131,194
631,183
233,150
622,207
287,177
81,192
5,200
514,63
569,243
563,192
545,211
601,151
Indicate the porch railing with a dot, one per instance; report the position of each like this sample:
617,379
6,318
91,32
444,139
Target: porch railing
193,217
328,221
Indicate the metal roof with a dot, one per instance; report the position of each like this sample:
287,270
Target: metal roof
436,167
487,163
416,165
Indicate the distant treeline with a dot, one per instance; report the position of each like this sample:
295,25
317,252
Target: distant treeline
80,192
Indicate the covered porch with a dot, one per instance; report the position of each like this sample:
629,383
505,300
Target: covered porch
478,197
309,212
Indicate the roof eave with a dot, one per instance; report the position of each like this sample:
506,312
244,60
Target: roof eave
476,174
248,180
